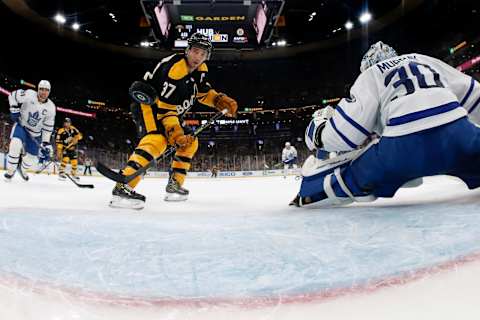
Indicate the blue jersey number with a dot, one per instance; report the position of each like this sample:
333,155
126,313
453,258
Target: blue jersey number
408,83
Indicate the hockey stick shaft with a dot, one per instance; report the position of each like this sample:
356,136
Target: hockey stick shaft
118,177
80,185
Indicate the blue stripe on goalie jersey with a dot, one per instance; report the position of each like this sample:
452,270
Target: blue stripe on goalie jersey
469,92
341,135
414,116
474,106
352,122
311,131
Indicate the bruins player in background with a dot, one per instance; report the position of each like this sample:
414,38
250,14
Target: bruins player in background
178,81
67,140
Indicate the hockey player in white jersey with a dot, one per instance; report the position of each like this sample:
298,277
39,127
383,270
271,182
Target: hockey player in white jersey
418,106
34,118
289,158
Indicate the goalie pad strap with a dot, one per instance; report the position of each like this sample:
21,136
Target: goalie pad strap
342,183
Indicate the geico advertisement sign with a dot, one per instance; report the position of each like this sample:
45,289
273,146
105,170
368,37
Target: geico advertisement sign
227,174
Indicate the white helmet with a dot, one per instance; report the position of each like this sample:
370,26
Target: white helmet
378,52
287,144
315,127
44,84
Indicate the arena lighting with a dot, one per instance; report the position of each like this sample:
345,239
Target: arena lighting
282,43
349,25
60,18
144,43
365,17
75,26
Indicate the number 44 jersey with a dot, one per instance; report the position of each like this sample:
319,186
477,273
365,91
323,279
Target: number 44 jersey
399,96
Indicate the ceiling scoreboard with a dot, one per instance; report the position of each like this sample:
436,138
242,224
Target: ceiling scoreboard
232,24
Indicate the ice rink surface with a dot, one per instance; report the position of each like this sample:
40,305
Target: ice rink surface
236,250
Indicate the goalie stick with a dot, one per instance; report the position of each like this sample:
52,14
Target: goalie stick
119,177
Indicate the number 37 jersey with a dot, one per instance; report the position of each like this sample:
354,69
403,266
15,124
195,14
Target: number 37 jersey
399,96
178,90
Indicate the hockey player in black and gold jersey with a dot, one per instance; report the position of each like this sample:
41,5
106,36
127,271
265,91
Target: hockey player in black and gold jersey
180,80
67,140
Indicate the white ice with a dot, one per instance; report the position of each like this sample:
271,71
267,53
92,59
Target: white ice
236,250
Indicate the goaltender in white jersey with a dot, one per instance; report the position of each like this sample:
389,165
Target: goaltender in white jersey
392,109
417,106
34,117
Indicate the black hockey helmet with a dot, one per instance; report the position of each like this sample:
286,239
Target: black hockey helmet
200,40
67,120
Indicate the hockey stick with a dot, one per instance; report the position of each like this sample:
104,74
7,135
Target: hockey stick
19,169
45,166
119,177
80,185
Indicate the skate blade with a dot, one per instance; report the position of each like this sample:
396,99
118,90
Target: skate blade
120,203
174,197
62,179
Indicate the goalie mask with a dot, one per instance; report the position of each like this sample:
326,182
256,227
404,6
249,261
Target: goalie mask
201,41
378,52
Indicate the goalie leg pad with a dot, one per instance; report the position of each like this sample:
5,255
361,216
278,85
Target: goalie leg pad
333,184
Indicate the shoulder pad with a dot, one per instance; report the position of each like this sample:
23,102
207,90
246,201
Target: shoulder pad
178,70
203,67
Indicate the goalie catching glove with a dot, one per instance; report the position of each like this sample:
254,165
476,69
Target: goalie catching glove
313,133
222,101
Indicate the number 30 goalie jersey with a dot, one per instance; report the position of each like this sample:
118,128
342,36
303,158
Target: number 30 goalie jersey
399,96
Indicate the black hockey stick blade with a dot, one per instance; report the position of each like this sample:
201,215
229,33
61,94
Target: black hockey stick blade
109,173
80,185
118,177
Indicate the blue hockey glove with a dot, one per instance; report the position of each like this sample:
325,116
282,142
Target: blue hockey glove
46,152
15,113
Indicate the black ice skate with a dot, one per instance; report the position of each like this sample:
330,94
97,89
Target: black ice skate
8,176
62,176
300,201
123,196
174,192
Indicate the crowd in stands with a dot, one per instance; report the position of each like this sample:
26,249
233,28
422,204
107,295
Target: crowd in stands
254,142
